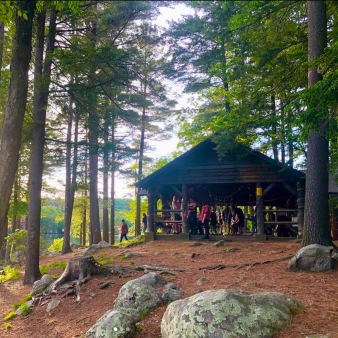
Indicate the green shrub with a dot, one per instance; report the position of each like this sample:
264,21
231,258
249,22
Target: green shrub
8,326
56,245
132,262
11,315
24,308
11,272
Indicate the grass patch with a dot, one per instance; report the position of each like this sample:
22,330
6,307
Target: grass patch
8,326
53,268
131,262
132,242
22,301
10,272
106,261
10,316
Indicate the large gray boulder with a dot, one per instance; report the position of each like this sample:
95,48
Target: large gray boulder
140,294
42,284
113,324
228,314
135,299
94,247
312,257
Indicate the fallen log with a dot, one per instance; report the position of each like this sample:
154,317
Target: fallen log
238,266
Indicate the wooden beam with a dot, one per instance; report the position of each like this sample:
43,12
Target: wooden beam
269,188
176,190
292,190
259,209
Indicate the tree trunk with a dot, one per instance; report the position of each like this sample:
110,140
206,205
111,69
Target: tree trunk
42,75
2,34
3,234
112,186
70,180
15,202
93,125
274,128
15,105
105,220
316,215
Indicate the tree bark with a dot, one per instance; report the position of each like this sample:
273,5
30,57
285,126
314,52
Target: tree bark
93,125
42,75
105,219
112,186
70,177
2,34
316,215
15,105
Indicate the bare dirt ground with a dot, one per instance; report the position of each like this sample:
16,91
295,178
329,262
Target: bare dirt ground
317,291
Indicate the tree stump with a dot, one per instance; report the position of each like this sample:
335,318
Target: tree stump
80,268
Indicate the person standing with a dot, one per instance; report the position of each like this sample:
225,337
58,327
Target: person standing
204,219
192,216
144,222
123,229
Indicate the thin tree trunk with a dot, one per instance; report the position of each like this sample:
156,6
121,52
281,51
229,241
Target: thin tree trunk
3,234
42,74
274,128
15,203
105,220
93,125
112,186
70,180
2,34
15,105
316,215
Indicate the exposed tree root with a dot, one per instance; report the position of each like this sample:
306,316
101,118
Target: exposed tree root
157,268
239,266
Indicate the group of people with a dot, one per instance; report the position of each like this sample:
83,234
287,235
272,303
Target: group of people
203,218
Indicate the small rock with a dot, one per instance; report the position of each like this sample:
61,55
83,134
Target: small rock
159,253
176,254
42,284
131,254
196,244
193,255
29,305
318,335
201,281
52,305
219,243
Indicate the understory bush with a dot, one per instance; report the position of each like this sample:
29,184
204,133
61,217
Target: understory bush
10,272
56,245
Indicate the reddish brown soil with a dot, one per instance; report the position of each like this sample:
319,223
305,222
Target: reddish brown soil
317,291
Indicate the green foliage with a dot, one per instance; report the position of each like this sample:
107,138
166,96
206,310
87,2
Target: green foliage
56,245
10,316
51,267
24,308
10,273
131,262
132,242
22,301
17,242
106,261
8,326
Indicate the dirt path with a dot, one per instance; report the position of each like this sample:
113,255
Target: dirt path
318,291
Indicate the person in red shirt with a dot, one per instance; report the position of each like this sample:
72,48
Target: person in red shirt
123,229
204,219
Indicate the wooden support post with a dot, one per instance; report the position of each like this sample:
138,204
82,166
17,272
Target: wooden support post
259,209
300,206
151,208
138,213
185,224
